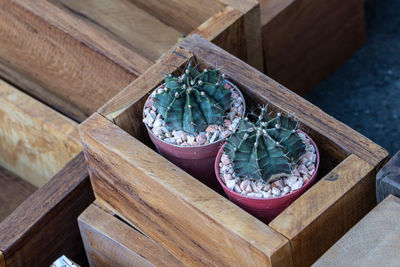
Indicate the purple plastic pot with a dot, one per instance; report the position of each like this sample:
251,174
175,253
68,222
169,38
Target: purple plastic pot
198,161
265,209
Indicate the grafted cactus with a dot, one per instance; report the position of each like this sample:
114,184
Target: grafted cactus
266,149
193,102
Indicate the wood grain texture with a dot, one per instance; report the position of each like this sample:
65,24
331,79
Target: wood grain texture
374,241
388,179
2,260
315,221
14,191
35,141
126,23
59,52
237,32
111,242
195,224
46,223
185,16
305,40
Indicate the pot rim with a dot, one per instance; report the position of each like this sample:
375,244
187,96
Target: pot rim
216,169
198,146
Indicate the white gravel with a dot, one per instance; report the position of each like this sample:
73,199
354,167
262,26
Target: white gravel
301,173
212,134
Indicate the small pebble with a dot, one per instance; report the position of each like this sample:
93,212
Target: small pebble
231,184
297,185
214,137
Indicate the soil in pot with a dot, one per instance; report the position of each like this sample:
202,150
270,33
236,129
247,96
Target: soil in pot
266,200
194,152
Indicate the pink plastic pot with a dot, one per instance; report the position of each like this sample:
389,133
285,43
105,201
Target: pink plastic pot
265,209
198,161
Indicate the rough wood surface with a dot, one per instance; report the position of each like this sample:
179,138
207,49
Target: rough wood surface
227,30
111,242
44,226
195,224
305,40
123,21
191,13
374,241
61,53
35,141
2,261
388,179
14,191
315,221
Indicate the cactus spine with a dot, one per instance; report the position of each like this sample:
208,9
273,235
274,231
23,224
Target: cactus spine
193,102
266,149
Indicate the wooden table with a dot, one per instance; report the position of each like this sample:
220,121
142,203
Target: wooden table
374,241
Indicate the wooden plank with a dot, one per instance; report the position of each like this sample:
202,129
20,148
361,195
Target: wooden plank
23,83
111,242
2,260
262,89
169,205
47,220
374,241
66,56
14,191
304,41
126,23
388,179
227,28
36,142
315,221
191,13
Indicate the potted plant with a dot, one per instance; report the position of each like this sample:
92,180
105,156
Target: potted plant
264,166
189,116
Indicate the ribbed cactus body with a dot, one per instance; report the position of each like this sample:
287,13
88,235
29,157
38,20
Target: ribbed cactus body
265,149
193,102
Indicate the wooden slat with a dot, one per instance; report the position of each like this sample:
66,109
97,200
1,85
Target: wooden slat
191,13
374,241
2,260
305,40
262,89
228,28
66,56
123,21
14,191
45,226
36,142
195,224
315,221
110,242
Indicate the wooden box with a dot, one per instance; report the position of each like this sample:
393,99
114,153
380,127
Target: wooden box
193,222
76,55
109,241
43,179
305,40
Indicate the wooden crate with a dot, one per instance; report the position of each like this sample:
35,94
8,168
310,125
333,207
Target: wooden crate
196,224
305,40
111,242
44,182
374,241
76,55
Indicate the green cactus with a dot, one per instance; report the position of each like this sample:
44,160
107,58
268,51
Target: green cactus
266,149
193,102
